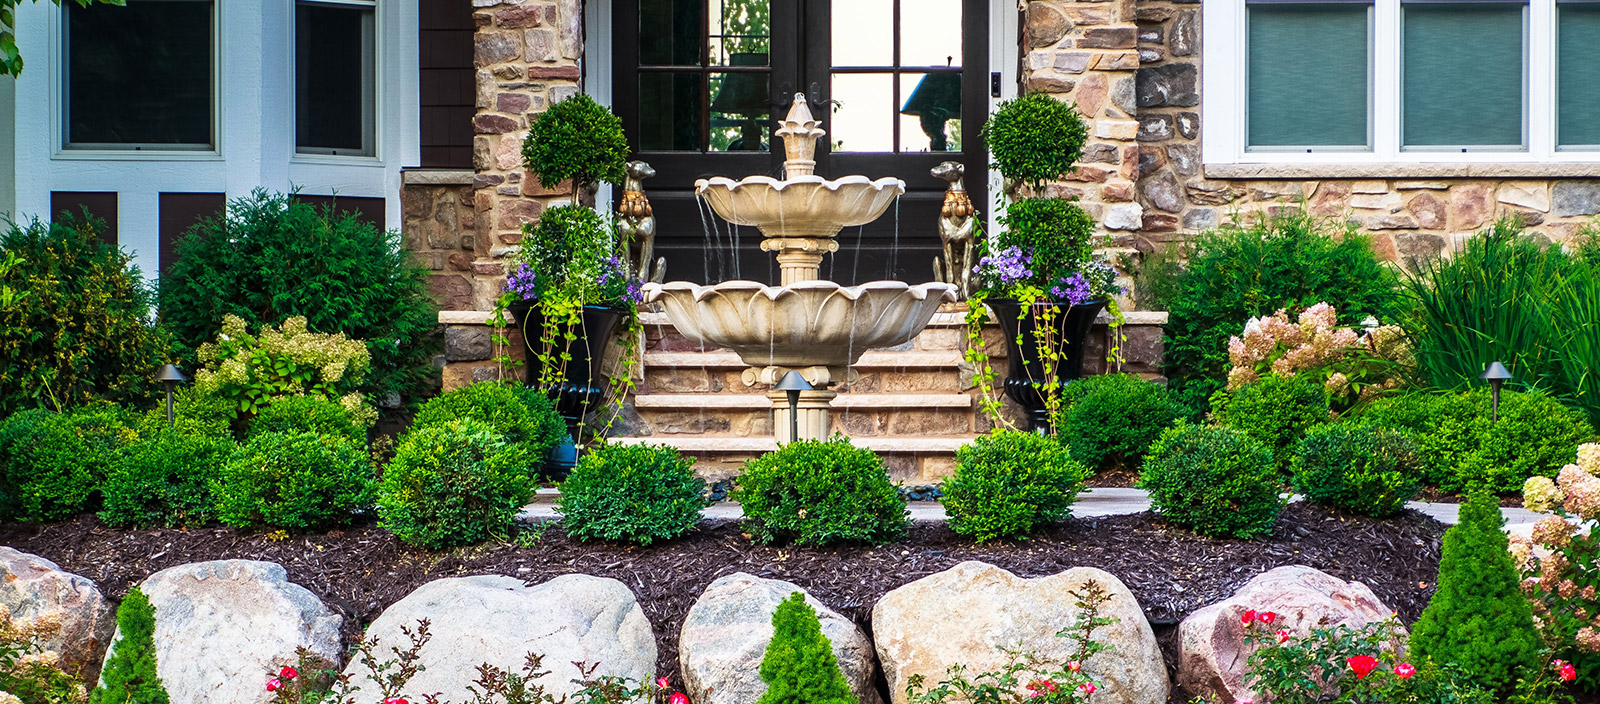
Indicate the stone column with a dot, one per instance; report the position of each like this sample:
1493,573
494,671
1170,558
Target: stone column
814,421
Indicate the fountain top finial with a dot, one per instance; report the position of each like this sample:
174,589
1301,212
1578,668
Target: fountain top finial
800,132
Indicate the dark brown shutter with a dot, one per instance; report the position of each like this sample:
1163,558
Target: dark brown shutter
100,204
447,96
369,210
179,212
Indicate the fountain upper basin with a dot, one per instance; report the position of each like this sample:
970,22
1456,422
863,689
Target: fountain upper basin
803,206
805,324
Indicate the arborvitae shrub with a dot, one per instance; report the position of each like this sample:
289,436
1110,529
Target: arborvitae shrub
524,416
165,480
1276,411
308,414
1110,420
52,464
1478,619
637,493
1213,480
1009,482
1359,468
296,482
129,676
815,492
799,666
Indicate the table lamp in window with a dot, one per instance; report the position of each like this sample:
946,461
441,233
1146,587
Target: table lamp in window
746,95
936,101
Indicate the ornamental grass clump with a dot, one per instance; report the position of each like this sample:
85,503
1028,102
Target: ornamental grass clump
815,492
1110,420
1216,481
130,675
1008,483
52,464
1362,469
455,483
1560,564
294,482
1276,411
799,666
524,416
636,493
165,480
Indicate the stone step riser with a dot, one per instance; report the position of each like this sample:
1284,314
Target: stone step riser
854,422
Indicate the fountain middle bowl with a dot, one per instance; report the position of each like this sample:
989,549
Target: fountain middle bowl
809,323
804,206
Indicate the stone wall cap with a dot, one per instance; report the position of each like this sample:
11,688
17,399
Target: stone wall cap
436,177
1393,170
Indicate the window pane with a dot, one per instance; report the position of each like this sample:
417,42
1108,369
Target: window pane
1578,74
863,116
333,78
1463,74
930,32
741,112
863,32
930,120
1308,75
140,74
740,31
670,33
669,112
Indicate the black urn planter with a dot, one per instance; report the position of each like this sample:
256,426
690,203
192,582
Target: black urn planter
1024,365
586,382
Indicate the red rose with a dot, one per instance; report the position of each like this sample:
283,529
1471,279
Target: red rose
1088,687
1404,671
663,683
1566,671
1283,636
1362,665
678,698
395,700
274,684
288,673
1248,618
1267,617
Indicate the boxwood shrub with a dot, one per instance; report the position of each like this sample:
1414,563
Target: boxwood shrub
1362,469
815,492
524,416
1110,420
165,480
637,493
307,414
1276,411
52,464
1008,482
294,482
1214,480
456,483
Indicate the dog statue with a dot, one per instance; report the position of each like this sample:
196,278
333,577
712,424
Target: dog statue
955,230
636,222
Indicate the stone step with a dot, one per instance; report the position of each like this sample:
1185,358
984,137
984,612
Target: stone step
722,444
875,359
756,401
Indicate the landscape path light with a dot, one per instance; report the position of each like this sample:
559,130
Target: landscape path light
1496,375
171,377
792,384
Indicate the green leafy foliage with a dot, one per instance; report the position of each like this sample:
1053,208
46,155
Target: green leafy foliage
307,414
453,483
272,258
799,666
1477,619
294,482
1461,449
1237,272
571,254
52,464
129,675
1276,411
576,139
75,326
524,416
1362,469
1216,481
193,413
164,480
1008,482
814,492
1318,666
1110,420
637,493
254,371
1035,138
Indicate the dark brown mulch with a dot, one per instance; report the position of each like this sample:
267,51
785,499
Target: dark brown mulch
1114,478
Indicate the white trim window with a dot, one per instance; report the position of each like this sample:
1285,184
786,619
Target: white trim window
140,77
335,77
1403,81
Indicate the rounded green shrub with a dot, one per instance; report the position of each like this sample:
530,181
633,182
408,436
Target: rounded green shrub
1035,138
815,492
637,493
576,139
1276,411
1362,469
1008,482
1110,420
524,416
294,482
307,414
456,483
52,464
1213,480
193,413
165,480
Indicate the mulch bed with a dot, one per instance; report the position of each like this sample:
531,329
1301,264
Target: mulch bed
360,571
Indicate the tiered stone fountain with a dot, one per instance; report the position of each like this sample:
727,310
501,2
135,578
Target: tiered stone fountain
806,324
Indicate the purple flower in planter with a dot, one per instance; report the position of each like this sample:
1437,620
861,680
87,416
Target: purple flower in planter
524,282
1010,264
1073,289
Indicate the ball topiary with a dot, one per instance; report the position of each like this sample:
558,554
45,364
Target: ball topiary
1035,138
1056,233
294,482
52,464
815,492
1275,410
130,675
165,480
1007,483
637,493
1213,480
1478,619
1362,469
307,414
579,139
524,416
799,666
455,483
1110,420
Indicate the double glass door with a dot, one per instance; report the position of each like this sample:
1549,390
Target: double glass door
899,85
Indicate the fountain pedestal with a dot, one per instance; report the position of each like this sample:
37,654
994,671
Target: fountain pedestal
813,416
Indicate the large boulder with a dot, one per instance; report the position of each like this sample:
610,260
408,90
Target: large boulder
727,631
1213,656
499,620
223,627
965,614
32,587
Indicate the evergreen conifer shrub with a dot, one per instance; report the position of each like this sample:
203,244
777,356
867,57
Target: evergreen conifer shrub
799,666
129,676
1478,620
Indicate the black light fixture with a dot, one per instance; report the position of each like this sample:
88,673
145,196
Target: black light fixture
745,94
935,100
171,377
792,384
1496,375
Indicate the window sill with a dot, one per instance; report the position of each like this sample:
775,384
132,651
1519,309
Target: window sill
1402,170
134,155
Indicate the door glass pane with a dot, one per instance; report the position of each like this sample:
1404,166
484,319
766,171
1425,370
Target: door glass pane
930,119
863,112
741,114
670,32
863,32
334,79
1308,75
740,32
930,32
139,75
1578,74
669,112
1463,74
